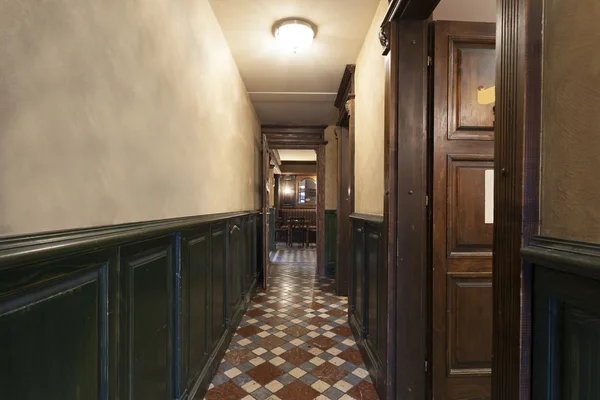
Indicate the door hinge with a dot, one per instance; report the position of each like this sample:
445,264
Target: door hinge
426,366
429,61
426,201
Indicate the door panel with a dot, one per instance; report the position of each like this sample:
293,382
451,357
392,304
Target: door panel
469,296
472,62
468,232
463,150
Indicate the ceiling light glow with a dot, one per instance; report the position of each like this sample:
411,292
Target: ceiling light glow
294,34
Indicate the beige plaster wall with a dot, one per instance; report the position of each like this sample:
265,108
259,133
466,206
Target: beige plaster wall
271,187
120,111
331,186
369,121
466,10
570,186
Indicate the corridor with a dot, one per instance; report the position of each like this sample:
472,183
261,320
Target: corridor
294,341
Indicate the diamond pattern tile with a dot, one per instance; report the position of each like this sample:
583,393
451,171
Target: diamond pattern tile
294,342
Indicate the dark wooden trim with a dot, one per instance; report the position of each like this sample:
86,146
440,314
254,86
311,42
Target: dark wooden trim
331,242
373,218
17,250
346,86
566,278
321,163
296,144
294,129
409,10
367,301
578,258
293,163
517,158
132,267
409,290
351,151
345,178
342,274
390,163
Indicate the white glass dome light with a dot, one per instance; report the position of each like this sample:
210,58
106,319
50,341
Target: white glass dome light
294,34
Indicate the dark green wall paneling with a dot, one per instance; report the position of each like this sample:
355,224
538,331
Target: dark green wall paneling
566,318
149,300
63,324
330,242
367,293
272,216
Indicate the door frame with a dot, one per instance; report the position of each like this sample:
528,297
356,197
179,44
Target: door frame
345,179
516,195
305,137
266,161
404,38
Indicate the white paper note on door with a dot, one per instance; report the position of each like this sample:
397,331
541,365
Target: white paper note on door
489,196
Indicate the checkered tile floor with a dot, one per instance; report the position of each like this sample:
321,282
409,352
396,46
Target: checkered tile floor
300,255
294,343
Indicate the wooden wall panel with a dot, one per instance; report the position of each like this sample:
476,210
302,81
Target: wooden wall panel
469,300
358,273
468,232
234,267
218,269
195,296
142,314
566,318
54,331
146,320
472,66
368,307
330,242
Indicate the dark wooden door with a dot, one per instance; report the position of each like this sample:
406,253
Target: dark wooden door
464,61
266,158
342,271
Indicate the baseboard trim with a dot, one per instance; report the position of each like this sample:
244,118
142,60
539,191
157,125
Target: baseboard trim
374,366
203,381
369,355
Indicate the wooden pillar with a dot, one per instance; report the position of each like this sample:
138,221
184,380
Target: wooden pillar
321,163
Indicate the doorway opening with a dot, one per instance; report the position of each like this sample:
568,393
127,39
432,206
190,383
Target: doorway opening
293,206
294,197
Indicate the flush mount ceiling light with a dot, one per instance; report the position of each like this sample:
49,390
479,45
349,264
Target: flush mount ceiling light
294,34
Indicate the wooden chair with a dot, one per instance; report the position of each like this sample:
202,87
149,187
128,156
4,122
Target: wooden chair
298,231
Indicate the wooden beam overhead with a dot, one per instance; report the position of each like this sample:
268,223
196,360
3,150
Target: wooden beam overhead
409,10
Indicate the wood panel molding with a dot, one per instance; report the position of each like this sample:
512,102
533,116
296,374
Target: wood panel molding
467,233
367,301
516,183
407,210
143,310
409,10
465,355
346,86
578,258
566,322
345,178
460,126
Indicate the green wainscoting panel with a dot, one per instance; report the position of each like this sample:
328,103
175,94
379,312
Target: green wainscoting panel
272,216
330,242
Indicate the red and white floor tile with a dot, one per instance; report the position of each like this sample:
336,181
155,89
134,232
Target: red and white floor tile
294,343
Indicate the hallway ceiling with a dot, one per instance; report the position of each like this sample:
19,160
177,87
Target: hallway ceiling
297,155
297,88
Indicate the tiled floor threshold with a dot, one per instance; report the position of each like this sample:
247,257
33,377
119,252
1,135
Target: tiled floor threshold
294,343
